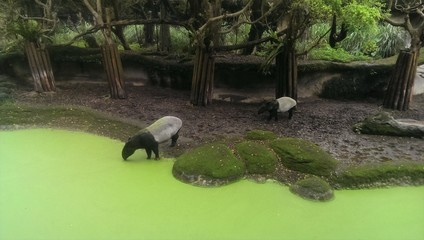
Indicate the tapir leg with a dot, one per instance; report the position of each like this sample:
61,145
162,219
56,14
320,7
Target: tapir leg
174,139
273,113
149,153
270,116
291,113
156,151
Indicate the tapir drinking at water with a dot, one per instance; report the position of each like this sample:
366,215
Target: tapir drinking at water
149,138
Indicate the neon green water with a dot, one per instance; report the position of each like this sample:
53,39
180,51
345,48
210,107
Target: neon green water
69,185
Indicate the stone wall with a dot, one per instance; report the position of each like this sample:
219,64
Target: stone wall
316,78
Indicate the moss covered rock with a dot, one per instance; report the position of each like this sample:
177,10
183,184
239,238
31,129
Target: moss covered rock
260,135
384,124
382,174
304,156
209,165
258,158
313,188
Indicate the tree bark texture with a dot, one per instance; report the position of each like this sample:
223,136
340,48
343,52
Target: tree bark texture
165,34
203,77
113,67
286,73
399,91
41,69
256,29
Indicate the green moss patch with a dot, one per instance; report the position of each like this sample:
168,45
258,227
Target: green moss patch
383,174
260,135
16,116
258,158
209,165
304,156
313,188
384,124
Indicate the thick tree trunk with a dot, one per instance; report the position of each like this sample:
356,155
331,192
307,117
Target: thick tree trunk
399,91
203,77
255,33
41,69
113,67
149,34
119,32
165,34
286,73
256,29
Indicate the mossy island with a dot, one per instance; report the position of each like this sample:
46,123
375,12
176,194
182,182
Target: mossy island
308,170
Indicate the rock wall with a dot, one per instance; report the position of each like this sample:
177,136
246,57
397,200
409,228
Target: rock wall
316,78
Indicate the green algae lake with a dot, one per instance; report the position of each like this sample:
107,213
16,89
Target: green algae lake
57,184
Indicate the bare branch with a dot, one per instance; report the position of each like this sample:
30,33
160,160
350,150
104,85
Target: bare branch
315,44
225,15
96,14
251,43
265,15
89,31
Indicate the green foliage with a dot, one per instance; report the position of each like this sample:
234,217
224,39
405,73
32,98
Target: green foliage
390,40
258,158
180,40
336,55
389,173
29,30
214,163
361,16
313,188
304,156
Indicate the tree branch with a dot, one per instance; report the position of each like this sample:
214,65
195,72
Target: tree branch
314,45
225,15
251,43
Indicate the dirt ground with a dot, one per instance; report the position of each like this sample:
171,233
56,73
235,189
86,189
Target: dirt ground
325,122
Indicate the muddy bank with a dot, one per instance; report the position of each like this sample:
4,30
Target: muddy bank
327,123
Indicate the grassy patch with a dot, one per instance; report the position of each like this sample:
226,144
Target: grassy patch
258,158
372,175
304,156
73,118
210,164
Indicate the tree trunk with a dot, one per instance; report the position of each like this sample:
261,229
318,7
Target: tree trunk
256,29
119,32
286,73
203,77
114,72
165,34
399,91
41,69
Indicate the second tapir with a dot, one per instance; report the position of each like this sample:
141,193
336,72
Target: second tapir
283,104
149,138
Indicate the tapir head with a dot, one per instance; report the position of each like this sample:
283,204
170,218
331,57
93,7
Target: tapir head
128,149
268,106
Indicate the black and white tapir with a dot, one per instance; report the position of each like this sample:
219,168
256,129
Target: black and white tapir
149,138
282,104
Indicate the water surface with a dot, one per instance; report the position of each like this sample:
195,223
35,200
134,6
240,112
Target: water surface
57,184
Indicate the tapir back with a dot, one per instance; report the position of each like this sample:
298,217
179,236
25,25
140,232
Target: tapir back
164,128
285,104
